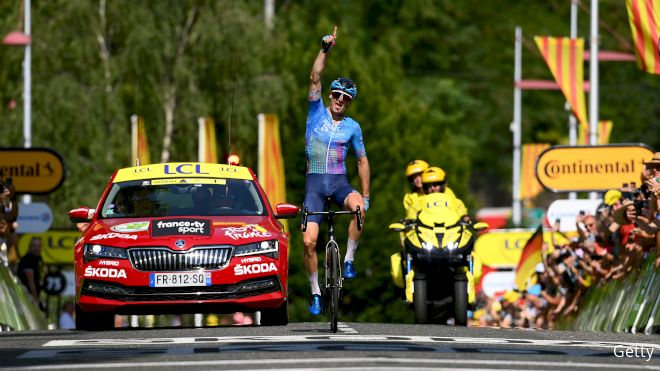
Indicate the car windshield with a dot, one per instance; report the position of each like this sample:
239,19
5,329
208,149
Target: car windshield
177,197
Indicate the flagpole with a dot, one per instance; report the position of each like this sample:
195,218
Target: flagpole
572,122
593,78
516,126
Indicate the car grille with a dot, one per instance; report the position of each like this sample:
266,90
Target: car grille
163,259
115,291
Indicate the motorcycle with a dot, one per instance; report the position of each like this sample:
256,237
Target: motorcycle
436,254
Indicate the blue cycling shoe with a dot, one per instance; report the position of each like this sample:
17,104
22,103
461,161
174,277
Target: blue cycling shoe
349,270
315,305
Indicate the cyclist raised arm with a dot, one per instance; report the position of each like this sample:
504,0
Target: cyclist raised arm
328,135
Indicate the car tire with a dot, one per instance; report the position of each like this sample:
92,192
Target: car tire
276,316
94,321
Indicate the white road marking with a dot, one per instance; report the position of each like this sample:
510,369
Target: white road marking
345,338
335,362
345,329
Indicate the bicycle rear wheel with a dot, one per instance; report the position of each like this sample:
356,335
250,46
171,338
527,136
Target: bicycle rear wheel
334,284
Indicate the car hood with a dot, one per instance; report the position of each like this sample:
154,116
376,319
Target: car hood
181,232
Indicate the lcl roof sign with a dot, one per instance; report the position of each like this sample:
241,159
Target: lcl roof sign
32,170
591,168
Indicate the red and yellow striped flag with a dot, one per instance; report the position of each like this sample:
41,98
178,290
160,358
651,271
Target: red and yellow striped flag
139,142
604,131
565,57
208,149
644,19
532,254
271,164
529,184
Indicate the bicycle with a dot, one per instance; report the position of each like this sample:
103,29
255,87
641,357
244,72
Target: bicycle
332,263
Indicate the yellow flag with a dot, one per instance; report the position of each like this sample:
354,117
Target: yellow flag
644,19
208,149
565,57
271,164
529,184
604,131
139,142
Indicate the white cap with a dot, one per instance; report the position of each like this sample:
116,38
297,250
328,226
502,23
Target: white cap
540,268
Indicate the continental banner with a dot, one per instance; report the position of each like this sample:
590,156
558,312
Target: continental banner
56,246
503,247
591,168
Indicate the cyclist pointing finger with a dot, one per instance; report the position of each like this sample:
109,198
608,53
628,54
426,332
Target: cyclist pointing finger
328,135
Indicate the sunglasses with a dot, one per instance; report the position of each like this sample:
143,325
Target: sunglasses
346,98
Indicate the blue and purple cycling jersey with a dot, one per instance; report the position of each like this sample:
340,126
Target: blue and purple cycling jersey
326,144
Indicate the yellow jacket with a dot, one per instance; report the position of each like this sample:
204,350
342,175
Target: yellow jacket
413,205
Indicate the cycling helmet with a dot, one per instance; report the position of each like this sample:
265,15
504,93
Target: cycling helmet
433,175
416,167
345,85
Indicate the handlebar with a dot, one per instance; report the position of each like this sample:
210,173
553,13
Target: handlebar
331,213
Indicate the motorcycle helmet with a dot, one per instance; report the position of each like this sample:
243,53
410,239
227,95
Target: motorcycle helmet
415,167
433,174
346,85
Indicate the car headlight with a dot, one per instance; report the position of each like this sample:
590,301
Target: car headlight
95,251
263,247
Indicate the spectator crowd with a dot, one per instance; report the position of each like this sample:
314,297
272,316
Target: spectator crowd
612,242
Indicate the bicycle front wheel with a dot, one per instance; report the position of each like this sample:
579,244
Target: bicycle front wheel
333,283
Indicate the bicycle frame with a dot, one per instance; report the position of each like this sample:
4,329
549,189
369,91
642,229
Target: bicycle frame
332,265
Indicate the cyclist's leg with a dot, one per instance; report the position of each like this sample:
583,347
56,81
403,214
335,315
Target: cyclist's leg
313,202
349,198
352,200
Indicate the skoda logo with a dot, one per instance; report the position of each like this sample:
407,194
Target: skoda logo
180,243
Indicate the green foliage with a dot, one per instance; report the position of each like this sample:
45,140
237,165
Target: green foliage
435,81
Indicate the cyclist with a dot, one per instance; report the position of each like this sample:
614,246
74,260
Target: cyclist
328,135
414,172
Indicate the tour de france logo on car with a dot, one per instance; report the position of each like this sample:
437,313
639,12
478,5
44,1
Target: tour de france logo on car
179,227
248,231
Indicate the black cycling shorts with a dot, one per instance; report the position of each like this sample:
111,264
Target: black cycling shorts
320,186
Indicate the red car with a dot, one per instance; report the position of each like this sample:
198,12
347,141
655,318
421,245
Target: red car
181,238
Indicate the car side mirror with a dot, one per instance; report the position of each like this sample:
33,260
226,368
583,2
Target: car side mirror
286,211
397,227
81,215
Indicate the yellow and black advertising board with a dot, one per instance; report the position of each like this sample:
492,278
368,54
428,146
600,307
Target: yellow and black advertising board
591,168
56,246
32,170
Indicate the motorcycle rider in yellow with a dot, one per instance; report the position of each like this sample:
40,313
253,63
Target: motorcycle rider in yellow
434,180
437,197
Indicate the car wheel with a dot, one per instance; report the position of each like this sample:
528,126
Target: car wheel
94,321
276,316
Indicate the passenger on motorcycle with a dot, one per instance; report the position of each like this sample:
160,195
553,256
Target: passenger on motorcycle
414,172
